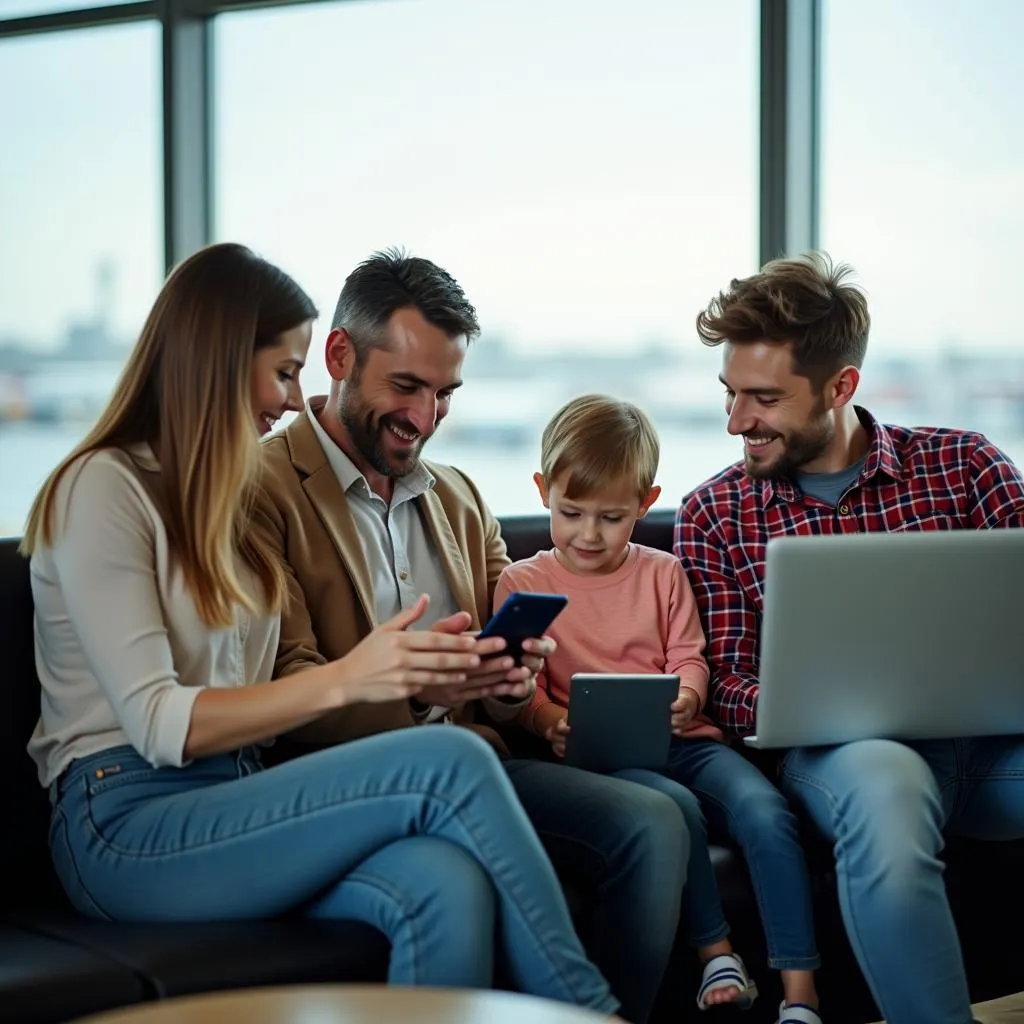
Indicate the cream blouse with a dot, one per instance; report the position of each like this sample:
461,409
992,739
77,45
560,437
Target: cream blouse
120,650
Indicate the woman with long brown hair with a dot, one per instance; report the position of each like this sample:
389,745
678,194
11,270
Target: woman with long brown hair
157,607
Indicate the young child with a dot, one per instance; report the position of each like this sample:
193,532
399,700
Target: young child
631,610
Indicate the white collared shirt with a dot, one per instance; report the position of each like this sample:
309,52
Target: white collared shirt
400,554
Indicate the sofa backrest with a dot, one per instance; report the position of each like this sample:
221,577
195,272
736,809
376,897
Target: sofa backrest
526,535
26,878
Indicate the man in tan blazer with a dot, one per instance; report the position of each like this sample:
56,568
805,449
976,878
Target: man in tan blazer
332,603
365,526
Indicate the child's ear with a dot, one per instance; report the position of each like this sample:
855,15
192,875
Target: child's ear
542,489
645,505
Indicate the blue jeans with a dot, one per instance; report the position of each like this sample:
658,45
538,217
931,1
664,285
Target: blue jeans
630,845
885,805
739,799
417,832
704,918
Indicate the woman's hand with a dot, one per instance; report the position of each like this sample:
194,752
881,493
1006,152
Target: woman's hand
389,664
394,664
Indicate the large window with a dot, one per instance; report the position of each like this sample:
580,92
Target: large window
923,192
80,259
26,8
586,169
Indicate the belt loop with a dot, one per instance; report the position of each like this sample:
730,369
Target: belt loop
243,760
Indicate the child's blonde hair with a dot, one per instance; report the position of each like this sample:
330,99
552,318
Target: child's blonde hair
600,441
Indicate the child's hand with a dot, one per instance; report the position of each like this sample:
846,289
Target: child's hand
686,706
555,735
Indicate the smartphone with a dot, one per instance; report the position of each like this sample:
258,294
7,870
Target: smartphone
523,616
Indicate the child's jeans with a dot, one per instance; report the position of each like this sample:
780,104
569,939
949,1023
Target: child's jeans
738,798
703,918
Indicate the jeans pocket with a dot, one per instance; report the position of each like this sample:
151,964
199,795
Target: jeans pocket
113,777
66,867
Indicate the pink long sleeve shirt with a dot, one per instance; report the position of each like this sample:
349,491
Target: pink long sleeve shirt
641,618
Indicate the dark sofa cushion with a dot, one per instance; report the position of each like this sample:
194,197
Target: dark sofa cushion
96,966
44,980
181,959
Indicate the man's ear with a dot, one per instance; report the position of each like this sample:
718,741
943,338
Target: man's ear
652,496
844,386
339,354
542,488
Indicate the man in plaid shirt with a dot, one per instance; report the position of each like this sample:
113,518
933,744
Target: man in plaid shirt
793,340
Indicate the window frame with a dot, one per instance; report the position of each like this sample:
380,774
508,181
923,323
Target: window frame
790,104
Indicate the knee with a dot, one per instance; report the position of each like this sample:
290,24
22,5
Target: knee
466,743
461,749
758,810
887,810
690,808
454,764
650,819
884,780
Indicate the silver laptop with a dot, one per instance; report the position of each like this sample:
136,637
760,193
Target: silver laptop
912,635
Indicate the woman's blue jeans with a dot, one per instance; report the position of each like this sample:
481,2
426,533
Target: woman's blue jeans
417,832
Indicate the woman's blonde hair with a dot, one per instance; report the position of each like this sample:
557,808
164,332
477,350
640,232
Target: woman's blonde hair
186,387
600,442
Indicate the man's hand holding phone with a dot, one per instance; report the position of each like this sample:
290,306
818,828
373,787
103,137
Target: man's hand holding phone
497,675
510,654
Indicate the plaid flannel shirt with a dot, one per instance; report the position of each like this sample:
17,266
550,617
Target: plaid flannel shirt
912,479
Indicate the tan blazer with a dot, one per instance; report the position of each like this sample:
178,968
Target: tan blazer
330,601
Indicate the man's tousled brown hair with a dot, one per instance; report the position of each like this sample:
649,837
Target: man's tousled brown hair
805,301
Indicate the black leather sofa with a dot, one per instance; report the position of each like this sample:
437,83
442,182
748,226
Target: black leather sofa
55,966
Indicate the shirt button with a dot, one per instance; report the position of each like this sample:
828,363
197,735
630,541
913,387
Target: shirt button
403,575
844,510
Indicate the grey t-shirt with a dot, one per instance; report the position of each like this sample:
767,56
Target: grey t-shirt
829,487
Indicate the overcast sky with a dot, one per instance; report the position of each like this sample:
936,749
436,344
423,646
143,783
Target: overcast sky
586,168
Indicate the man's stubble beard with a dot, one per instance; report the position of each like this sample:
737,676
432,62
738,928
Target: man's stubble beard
800,449
367,436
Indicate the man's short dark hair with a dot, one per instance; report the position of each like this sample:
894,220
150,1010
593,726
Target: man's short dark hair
805,301
391,280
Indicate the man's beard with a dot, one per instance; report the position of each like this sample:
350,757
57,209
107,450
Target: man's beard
367,435
799,448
